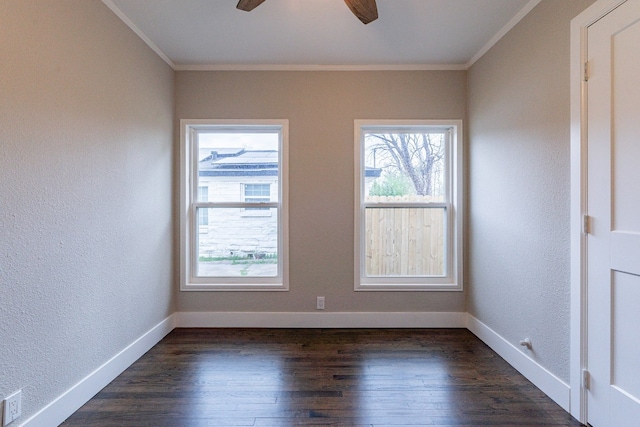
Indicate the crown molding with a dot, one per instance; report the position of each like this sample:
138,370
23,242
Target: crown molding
319,67
120,14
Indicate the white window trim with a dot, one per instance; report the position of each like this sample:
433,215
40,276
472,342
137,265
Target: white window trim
454,278
188,217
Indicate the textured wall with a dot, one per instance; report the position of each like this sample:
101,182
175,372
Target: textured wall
86,143
321,108
518,234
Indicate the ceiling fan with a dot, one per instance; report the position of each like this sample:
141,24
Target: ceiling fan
365,10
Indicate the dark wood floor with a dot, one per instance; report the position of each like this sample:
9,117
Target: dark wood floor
320,377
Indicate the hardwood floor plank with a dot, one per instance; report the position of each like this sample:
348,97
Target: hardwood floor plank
320,377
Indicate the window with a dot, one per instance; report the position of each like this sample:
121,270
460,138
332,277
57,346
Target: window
408,205
234,205
257,193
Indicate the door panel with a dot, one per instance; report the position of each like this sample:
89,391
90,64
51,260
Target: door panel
613,247
626,121
625,322
625,248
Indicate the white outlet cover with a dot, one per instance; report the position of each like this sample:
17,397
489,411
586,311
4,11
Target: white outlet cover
12,408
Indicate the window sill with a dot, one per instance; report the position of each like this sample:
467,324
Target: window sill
258,214
404,287
234,287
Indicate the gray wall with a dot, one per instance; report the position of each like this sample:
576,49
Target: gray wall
518,210
321,108
86,143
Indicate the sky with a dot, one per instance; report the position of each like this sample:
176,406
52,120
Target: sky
250,141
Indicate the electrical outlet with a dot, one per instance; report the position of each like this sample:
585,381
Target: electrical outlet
12,408
320,303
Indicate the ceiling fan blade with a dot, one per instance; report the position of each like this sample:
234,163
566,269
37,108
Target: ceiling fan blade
248,5
365,10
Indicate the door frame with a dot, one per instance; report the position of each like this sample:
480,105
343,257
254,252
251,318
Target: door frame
579,187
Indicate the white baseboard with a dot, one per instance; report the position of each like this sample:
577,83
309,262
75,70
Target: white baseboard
552,386
320,320
70,401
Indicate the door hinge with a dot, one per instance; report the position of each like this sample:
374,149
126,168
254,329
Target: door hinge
585,71
586,224
586,379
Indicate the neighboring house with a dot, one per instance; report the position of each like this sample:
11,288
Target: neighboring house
238,175
245,176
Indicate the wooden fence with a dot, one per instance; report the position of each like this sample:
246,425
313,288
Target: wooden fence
404,241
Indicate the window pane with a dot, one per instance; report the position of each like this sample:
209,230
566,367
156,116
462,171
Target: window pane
203,196
253,190
403,164
226,161
234,245
405,241
203,217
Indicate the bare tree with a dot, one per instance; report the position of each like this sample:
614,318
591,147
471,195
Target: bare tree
418,156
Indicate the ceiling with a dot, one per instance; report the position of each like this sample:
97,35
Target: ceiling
320,34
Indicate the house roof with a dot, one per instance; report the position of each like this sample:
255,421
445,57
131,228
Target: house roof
249,159
241,162
205,153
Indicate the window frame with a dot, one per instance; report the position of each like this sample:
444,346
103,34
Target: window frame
453,278
189,281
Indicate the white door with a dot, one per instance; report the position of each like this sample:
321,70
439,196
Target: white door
613,245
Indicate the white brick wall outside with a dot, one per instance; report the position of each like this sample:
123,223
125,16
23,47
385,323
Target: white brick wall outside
238,232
